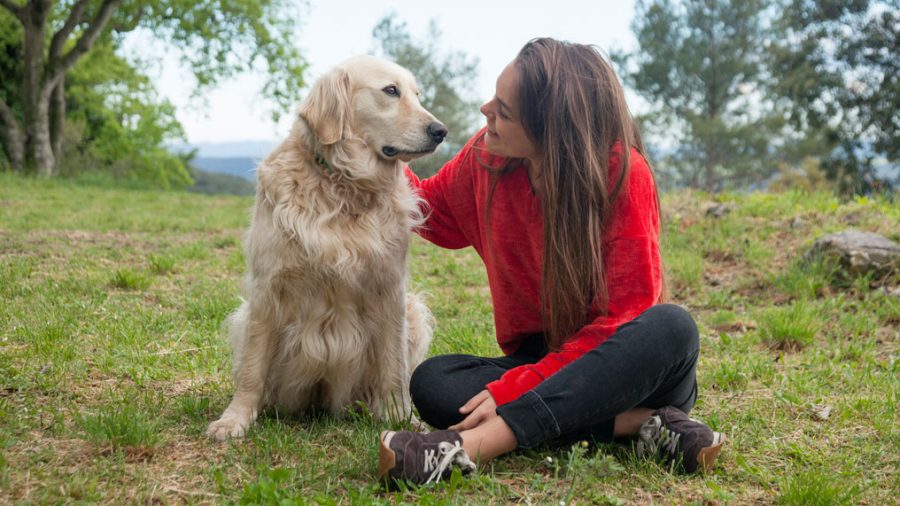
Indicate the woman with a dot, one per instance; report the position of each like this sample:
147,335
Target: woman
560,204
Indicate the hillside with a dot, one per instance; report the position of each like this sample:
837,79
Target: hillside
243,167
112,361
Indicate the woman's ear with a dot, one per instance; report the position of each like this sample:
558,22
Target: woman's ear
327,107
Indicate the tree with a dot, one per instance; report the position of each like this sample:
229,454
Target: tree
116,123
446,82
837,72
10,79
216,38
699,65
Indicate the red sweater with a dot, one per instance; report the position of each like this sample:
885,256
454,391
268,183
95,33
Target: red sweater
456,198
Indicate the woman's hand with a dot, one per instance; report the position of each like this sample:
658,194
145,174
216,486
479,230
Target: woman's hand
478,409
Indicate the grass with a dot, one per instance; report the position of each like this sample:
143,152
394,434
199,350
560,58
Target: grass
789,328
122,425
128,279
113,361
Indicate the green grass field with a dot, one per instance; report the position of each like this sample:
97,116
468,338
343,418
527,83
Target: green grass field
113,361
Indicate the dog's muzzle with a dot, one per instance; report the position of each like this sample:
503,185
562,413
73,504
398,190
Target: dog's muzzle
436,133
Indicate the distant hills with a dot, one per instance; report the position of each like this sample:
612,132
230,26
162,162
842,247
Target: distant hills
237,149
242,167
238,158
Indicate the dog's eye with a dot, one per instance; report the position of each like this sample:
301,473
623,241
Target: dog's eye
391,90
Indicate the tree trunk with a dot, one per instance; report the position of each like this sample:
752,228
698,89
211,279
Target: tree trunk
710,177
35,95
11,136
37,130
43,100
57,122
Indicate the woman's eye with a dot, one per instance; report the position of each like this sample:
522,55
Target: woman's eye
391,90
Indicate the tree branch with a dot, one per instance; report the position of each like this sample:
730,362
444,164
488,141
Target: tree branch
85,42
130,24
17,10
5,111
7,118
11,136
59,38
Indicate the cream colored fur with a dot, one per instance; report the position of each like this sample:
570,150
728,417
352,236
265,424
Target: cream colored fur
327,320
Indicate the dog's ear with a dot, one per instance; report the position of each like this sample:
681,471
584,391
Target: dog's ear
327,107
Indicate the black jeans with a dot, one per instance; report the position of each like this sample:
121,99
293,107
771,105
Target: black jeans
648,362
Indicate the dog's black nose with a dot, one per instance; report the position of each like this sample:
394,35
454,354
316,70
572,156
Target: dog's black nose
437,131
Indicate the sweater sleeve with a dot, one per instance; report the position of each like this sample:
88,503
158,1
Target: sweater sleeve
633,279
447,199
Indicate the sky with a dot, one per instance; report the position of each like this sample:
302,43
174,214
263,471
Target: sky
331,31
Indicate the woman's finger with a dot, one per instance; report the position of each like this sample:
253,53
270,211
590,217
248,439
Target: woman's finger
474,402
467,423
481,414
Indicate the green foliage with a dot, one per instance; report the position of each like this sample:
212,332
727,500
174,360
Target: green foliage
836,71
117,124
807,177
742,88
446,83
114,122
10,55
698,65
219,39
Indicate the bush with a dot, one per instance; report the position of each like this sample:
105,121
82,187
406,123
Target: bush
808,177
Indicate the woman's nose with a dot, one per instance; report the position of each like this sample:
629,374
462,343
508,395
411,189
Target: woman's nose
486,108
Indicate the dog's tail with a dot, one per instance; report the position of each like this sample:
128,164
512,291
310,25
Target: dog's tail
236,326
420,329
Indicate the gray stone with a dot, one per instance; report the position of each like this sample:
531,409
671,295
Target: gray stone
719,210
858,252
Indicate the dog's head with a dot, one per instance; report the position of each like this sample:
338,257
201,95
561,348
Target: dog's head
376,101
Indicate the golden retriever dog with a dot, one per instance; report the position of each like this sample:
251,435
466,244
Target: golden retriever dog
326,320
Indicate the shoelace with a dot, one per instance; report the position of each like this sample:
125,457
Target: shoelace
448,454
653,437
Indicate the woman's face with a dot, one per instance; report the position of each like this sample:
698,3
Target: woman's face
505,133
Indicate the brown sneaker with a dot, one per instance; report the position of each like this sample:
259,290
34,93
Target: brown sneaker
670,433
421,458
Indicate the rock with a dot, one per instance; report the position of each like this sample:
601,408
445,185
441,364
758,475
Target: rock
820,412
858,252
719,210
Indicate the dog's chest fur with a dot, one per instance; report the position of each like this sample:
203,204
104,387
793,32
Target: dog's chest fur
313,234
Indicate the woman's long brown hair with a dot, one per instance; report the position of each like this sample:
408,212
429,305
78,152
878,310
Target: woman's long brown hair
573,109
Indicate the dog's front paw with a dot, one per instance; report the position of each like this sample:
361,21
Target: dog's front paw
227,427
418,425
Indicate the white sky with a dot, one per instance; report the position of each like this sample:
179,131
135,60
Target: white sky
331,31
